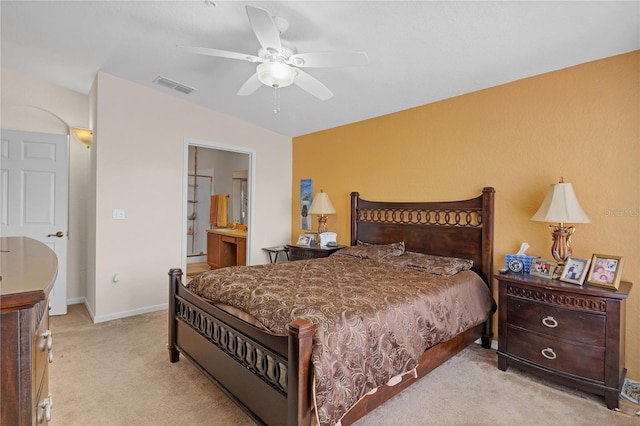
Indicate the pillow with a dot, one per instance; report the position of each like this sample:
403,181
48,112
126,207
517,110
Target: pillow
438,265
372,251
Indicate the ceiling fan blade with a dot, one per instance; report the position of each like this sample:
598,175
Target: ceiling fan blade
222,53
312,85
250,86
264,28
329,59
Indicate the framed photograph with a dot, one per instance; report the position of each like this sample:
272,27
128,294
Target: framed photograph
313,238
575,270
304,240
605,270
543,268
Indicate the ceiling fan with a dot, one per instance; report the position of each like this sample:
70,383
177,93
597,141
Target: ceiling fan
279,61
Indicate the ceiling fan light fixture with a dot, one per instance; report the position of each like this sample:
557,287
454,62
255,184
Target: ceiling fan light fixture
276,74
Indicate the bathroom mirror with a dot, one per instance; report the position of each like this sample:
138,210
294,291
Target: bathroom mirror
239,197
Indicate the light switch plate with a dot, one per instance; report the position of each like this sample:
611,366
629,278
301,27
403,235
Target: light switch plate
118,214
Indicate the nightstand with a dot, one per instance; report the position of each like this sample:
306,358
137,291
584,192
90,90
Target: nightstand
570,334
297,252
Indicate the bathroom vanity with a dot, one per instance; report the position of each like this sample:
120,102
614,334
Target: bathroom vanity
226,247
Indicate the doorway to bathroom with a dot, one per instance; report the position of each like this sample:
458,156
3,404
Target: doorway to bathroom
217,195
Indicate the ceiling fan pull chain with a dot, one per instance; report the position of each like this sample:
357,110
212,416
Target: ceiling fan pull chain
276,99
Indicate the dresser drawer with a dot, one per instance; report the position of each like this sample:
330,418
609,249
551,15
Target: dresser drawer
42,344
559,355
557,322
43,401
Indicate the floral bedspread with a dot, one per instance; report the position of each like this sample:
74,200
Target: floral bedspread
372,320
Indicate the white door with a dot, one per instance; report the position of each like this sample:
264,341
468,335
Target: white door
34,187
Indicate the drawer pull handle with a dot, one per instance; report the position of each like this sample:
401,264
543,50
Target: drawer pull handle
550,322
46,405
548,353
48,338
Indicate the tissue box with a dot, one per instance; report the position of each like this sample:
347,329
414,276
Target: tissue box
526,260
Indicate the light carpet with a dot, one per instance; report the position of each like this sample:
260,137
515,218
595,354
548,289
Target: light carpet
118,373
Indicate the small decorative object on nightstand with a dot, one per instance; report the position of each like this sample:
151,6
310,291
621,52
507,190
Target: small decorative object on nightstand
569,334
297,252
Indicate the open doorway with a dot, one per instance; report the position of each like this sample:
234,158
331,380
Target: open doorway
217,201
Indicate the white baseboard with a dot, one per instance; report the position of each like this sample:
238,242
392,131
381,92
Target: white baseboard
117,315
131,313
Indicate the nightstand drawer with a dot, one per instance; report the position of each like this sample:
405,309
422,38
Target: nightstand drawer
556,322
560,355
296,253
315,252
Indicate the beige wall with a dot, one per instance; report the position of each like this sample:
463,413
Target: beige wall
33,105
140,166
136,163
582,123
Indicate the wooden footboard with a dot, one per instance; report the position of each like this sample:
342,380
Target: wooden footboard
268,376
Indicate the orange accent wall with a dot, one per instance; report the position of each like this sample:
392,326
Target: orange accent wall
581,123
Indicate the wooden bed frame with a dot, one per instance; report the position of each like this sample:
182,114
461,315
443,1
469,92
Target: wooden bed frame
270,377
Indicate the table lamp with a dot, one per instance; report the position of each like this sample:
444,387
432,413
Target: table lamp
561,206
322,206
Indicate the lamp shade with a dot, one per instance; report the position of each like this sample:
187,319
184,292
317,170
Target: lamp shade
321,204
276,74
561,205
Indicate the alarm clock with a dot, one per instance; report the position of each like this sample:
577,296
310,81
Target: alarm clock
516,265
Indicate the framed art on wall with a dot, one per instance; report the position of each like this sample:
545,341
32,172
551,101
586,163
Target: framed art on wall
575,270
605,270
305,203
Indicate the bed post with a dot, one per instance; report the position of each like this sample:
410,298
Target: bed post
175,275
299,373
355,196
488,195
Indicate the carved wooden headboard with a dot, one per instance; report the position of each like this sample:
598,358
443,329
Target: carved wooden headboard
449,228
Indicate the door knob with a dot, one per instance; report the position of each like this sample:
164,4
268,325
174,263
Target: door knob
58,234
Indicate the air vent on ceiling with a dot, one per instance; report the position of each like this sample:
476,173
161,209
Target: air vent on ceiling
171,84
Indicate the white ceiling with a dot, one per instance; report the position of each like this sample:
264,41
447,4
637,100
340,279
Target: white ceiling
419,51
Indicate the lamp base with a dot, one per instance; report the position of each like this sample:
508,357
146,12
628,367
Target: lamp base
322,224
561,248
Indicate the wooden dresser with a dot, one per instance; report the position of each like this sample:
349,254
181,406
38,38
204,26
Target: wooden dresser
29,269
567,333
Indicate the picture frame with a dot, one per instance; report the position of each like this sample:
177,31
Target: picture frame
605,270
306,189
313,238
575,270
304,240
542,268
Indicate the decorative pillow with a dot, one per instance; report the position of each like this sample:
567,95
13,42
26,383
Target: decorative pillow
439,265
372,251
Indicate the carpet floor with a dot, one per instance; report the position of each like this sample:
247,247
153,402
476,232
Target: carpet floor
118,373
